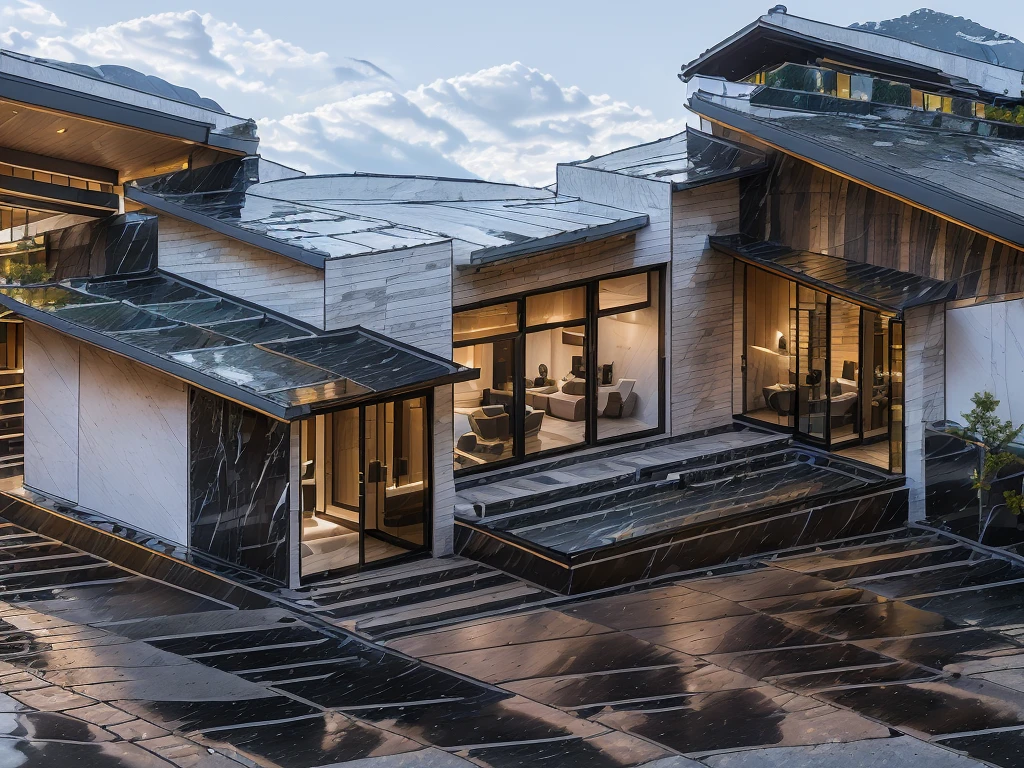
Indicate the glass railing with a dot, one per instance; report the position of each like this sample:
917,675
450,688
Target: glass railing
864,88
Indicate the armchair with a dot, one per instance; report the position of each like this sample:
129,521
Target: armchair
617,402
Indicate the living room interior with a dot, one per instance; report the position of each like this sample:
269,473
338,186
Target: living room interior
559,369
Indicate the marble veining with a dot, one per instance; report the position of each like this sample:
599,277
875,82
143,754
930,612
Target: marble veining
239,480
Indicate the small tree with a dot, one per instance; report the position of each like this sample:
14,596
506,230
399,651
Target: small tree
993,436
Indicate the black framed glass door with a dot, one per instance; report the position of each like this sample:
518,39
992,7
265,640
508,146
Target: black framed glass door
366,494
822,367
812,364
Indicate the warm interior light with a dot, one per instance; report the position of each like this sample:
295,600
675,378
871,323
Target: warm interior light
184,166
62,130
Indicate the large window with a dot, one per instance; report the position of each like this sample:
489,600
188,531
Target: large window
559,369
826,368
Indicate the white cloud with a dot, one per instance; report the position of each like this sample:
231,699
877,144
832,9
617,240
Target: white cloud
32,13
326,113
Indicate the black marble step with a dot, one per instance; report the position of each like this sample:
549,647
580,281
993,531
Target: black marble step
416,595
385,584
629,477
611,552
698,498
581,458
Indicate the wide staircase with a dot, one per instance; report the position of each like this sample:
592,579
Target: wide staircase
598,521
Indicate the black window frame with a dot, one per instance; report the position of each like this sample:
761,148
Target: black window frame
590,324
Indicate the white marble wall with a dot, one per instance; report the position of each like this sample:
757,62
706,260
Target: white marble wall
51,412
133,438
444,478
924,392
985,351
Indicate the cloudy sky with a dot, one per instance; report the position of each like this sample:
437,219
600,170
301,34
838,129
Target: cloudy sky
500,91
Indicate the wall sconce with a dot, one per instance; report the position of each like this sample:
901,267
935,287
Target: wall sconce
782,342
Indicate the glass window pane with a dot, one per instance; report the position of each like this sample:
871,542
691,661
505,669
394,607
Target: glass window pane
622,291
842,85
812,350
771,348
845,378
484,406
875,349
628,367
397,523
860,88
494,320
555,410
557,306
344,469
896,407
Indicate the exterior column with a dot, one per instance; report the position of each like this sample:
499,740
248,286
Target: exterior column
924,391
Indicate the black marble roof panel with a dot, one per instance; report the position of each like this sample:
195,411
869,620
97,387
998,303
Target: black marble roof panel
688,159
363,358
315,218
951,166
881,287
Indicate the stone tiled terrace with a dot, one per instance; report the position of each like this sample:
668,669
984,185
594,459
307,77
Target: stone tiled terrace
902,647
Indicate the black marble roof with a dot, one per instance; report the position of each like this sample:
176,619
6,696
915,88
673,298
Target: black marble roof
950,167
312,219
238,350
880,287
688,159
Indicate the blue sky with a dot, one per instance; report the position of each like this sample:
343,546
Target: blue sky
498,90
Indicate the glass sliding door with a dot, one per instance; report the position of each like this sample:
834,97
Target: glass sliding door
877,376
769,356
812,363
845,380
896,360
365,485
396,479
822,366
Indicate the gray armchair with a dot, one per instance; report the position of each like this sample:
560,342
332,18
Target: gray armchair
490,422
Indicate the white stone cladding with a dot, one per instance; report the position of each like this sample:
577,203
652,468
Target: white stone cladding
924,391
230,266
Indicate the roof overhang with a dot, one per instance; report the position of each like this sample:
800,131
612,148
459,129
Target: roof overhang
867,285
487,256
779,37
987,220
363,367
57,198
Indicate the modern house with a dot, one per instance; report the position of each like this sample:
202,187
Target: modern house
304,376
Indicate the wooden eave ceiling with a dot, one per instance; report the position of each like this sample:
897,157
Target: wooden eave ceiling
132,152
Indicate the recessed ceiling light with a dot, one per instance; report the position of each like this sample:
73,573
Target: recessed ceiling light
184,166
62,130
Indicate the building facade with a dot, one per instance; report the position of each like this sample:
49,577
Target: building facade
292,374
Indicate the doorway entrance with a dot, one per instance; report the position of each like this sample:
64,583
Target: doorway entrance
365,486
822,367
